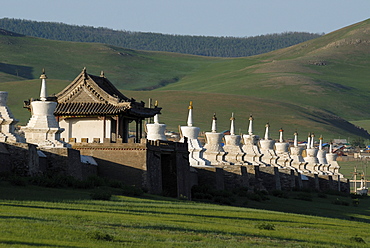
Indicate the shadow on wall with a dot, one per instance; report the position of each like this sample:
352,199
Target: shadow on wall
24,159
17,70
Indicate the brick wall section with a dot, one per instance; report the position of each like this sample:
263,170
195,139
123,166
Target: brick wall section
33,161
235,176
211,176
287,179
183,170
5,159
67,162
139,164
267,174
126,162
21,157
154,177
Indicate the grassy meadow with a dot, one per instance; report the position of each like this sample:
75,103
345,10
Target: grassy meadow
44,217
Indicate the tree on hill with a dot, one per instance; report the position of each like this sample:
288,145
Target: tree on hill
196,45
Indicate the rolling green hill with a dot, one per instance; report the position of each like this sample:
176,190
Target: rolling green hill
313,86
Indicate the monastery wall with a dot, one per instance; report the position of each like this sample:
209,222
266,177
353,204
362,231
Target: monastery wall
267,178
160,167
26,160
67,161
18,158
126,162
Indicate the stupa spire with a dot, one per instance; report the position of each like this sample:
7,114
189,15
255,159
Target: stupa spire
267,134
281,139
295,139
156,117
312,140
232,124
43,92
309,141
190,115
331,147
214,123
250,128
320,144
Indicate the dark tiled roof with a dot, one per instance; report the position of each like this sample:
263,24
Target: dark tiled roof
108,87
87,109
96,95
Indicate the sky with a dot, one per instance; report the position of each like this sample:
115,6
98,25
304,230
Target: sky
237,18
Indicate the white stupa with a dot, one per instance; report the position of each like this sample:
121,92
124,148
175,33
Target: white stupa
7,121
195,148
321,156
313,163
213,149
250,147
267,148
296,154
332,160
43,129
156,131
233,146
282,151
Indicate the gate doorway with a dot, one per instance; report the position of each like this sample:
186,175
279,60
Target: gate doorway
169,175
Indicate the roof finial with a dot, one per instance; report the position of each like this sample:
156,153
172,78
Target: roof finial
101,73
156,103
43,75
84,72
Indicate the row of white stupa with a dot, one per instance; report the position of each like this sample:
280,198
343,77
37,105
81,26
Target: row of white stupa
255,151
44,131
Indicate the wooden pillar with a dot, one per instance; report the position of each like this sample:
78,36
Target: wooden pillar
117,127
121,126
125,130
141,129
137,131
104,127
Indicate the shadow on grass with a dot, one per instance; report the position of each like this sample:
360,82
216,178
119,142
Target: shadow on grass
9,242
17,70
218,234
23,218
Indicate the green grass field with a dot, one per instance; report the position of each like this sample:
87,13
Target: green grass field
43,217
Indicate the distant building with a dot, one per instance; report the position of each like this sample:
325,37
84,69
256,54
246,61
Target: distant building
340,141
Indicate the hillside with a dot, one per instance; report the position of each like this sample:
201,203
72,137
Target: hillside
196,45
312,87
329,73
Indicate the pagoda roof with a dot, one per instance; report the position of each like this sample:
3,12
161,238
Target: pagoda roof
96,95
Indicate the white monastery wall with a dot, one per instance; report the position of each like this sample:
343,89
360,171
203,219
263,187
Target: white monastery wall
85,128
